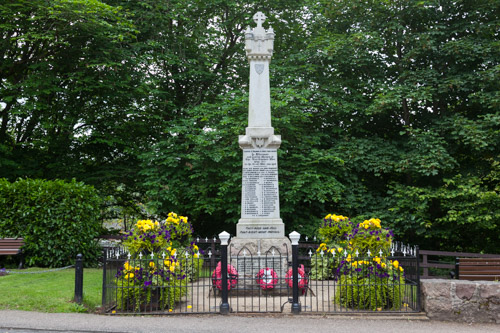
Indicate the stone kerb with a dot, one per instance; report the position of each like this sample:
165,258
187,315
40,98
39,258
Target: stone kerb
460,300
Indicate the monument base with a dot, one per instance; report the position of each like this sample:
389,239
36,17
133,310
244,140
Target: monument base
260,228
251,255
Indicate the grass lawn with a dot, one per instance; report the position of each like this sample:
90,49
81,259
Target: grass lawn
50,292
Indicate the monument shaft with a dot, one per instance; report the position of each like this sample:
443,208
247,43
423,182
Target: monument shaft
260,210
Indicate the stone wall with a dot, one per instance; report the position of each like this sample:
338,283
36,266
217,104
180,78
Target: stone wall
460,300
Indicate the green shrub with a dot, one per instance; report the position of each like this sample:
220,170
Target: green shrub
57,219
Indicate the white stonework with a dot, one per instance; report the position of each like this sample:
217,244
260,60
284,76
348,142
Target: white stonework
260,210
259,49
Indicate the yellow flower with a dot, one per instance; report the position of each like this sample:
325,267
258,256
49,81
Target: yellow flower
340,249
169,310
377,260
151,264
189,307
127,266
172,268
383,265
348,258
322,247
167,262
395,263
129,276
328,216
196,255
195,247
113,312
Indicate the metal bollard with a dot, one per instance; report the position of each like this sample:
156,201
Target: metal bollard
79,279
224,307
294,237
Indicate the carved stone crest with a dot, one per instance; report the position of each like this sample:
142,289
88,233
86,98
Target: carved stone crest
259,68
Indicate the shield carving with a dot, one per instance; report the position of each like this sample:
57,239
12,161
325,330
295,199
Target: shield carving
259,68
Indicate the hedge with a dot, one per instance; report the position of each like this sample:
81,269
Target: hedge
57,219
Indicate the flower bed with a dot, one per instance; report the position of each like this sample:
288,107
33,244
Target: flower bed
157,272
356,257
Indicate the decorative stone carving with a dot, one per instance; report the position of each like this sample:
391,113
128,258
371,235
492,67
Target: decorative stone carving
259,43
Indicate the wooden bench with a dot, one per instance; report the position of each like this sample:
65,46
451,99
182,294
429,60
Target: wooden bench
12,246
478,269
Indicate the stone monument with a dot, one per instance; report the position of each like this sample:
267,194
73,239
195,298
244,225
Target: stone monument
260,229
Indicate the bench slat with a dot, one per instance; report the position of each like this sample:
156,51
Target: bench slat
481,277
497,272
478,268
478,261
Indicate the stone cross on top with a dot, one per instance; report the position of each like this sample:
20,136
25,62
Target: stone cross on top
258,41
259,18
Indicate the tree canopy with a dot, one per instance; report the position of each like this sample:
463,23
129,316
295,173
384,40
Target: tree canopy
387,109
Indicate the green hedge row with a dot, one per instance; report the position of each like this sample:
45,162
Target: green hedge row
57,219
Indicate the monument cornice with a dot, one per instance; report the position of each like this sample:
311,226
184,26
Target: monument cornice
259,57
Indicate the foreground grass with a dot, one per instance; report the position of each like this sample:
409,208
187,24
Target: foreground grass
50,292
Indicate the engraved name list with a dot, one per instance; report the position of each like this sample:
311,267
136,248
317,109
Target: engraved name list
260,184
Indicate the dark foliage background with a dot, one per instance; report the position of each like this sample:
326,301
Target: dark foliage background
386,109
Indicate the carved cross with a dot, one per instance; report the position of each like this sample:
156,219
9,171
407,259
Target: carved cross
259,18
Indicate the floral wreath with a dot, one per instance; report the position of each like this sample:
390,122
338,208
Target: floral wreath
302,277
232,276
267,278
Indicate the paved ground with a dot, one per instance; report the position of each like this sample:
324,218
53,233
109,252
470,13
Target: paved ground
24,322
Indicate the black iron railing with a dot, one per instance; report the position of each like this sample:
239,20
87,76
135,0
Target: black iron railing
224,279
157,284
343,282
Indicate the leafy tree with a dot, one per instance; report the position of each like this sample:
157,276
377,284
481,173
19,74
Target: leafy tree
386,109
419,106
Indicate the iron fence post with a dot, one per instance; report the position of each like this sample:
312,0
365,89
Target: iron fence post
294,237
79,279
104,259
212,247
417,254
224,237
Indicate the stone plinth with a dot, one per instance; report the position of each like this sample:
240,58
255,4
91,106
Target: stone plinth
249,256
